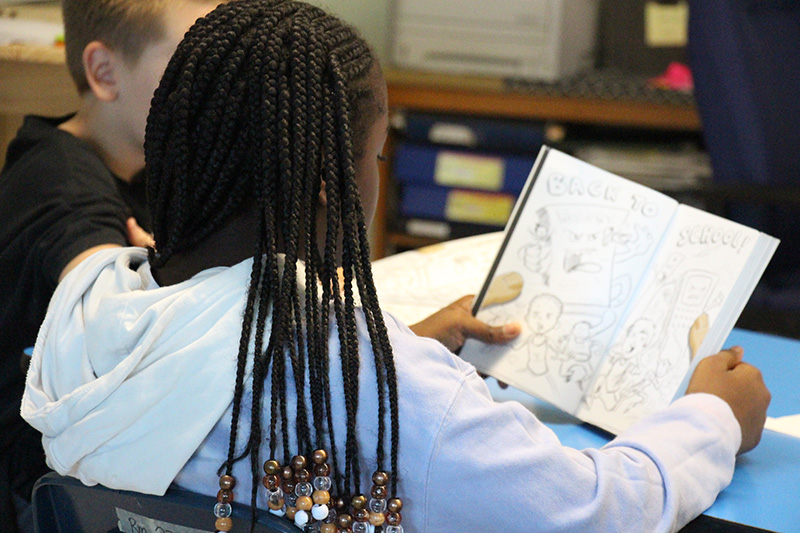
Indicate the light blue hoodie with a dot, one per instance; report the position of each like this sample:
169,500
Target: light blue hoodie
131,386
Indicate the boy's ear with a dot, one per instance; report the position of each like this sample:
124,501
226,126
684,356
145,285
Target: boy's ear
99,65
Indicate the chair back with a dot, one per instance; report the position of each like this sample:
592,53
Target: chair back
65,505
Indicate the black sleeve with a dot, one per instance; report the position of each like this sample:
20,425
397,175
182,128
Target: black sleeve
61,206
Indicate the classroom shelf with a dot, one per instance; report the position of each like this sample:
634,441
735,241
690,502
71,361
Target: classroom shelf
494,97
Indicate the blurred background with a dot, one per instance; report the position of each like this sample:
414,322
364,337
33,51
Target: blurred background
692,98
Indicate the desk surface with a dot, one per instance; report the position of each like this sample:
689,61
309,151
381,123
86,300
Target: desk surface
767,479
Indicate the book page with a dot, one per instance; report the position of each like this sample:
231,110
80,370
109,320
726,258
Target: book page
692,281
574,252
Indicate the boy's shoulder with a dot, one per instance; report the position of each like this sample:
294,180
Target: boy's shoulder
42,156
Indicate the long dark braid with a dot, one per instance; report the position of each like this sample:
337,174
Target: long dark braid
264,103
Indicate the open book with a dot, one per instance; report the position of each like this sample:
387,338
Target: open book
620,291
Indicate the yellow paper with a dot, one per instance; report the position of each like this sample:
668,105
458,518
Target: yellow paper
666,25
478,207
466,170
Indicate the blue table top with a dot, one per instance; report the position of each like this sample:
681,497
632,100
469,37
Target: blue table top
766,482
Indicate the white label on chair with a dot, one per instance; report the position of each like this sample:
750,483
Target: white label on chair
133,523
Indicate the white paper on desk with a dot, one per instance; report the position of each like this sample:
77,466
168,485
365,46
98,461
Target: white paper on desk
21,31
789,425
415,284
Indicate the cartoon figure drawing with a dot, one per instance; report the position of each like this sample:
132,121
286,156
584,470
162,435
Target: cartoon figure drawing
536,255
542,317
623,385
580,352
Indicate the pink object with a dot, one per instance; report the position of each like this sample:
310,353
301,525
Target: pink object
677,77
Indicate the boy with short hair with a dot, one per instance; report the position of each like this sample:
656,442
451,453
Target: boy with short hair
70,186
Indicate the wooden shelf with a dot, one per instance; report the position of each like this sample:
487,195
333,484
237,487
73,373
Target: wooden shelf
404,240
493,97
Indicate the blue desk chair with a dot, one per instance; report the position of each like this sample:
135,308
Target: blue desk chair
65,505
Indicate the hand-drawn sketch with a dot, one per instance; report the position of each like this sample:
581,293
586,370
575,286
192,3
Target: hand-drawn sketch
535,255
580,354
616,286
623,385
542,317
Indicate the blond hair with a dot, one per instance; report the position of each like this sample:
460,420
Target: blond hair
125,26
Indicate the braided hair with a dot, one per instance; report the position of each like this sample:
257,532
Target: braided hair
264,103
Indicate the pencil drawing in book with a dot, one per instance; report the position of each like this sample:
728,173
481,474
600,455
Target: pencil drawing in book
617,288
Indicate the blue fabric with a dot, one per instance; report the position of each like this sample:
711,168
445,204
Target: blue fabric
745,58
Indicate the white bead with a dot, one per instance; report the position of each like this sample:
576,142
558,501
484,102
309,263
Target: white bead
303,489
301,518
377,505
275,496
222,510
322,483
319,512
278,512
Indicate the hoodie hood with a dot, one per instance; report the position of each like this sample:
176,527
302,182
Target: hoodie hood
123,368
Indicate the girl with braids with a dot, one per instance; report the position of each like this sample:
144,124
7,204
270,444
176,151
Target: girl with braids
233,360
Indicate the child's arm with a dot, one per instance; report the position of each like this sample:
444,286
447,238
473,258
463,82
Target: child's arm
455,324
136,237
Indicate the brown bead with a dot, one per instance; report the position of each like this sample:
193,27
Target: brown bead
298,462
288,486
290,512
321,497
393,519
322,470
376,519
223,524
359,502
287,473
379,492
225,496
344,521
395,505
272,467
361,515
328,528
227,482
271,482
380,478
320,456
302,475
304,503
339,504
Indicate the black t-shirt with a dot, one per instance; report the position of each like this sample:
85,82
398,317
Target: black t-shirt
57,199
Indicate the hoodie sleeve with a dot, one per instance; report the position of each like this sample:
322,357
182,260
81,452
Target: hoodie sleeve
658,475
